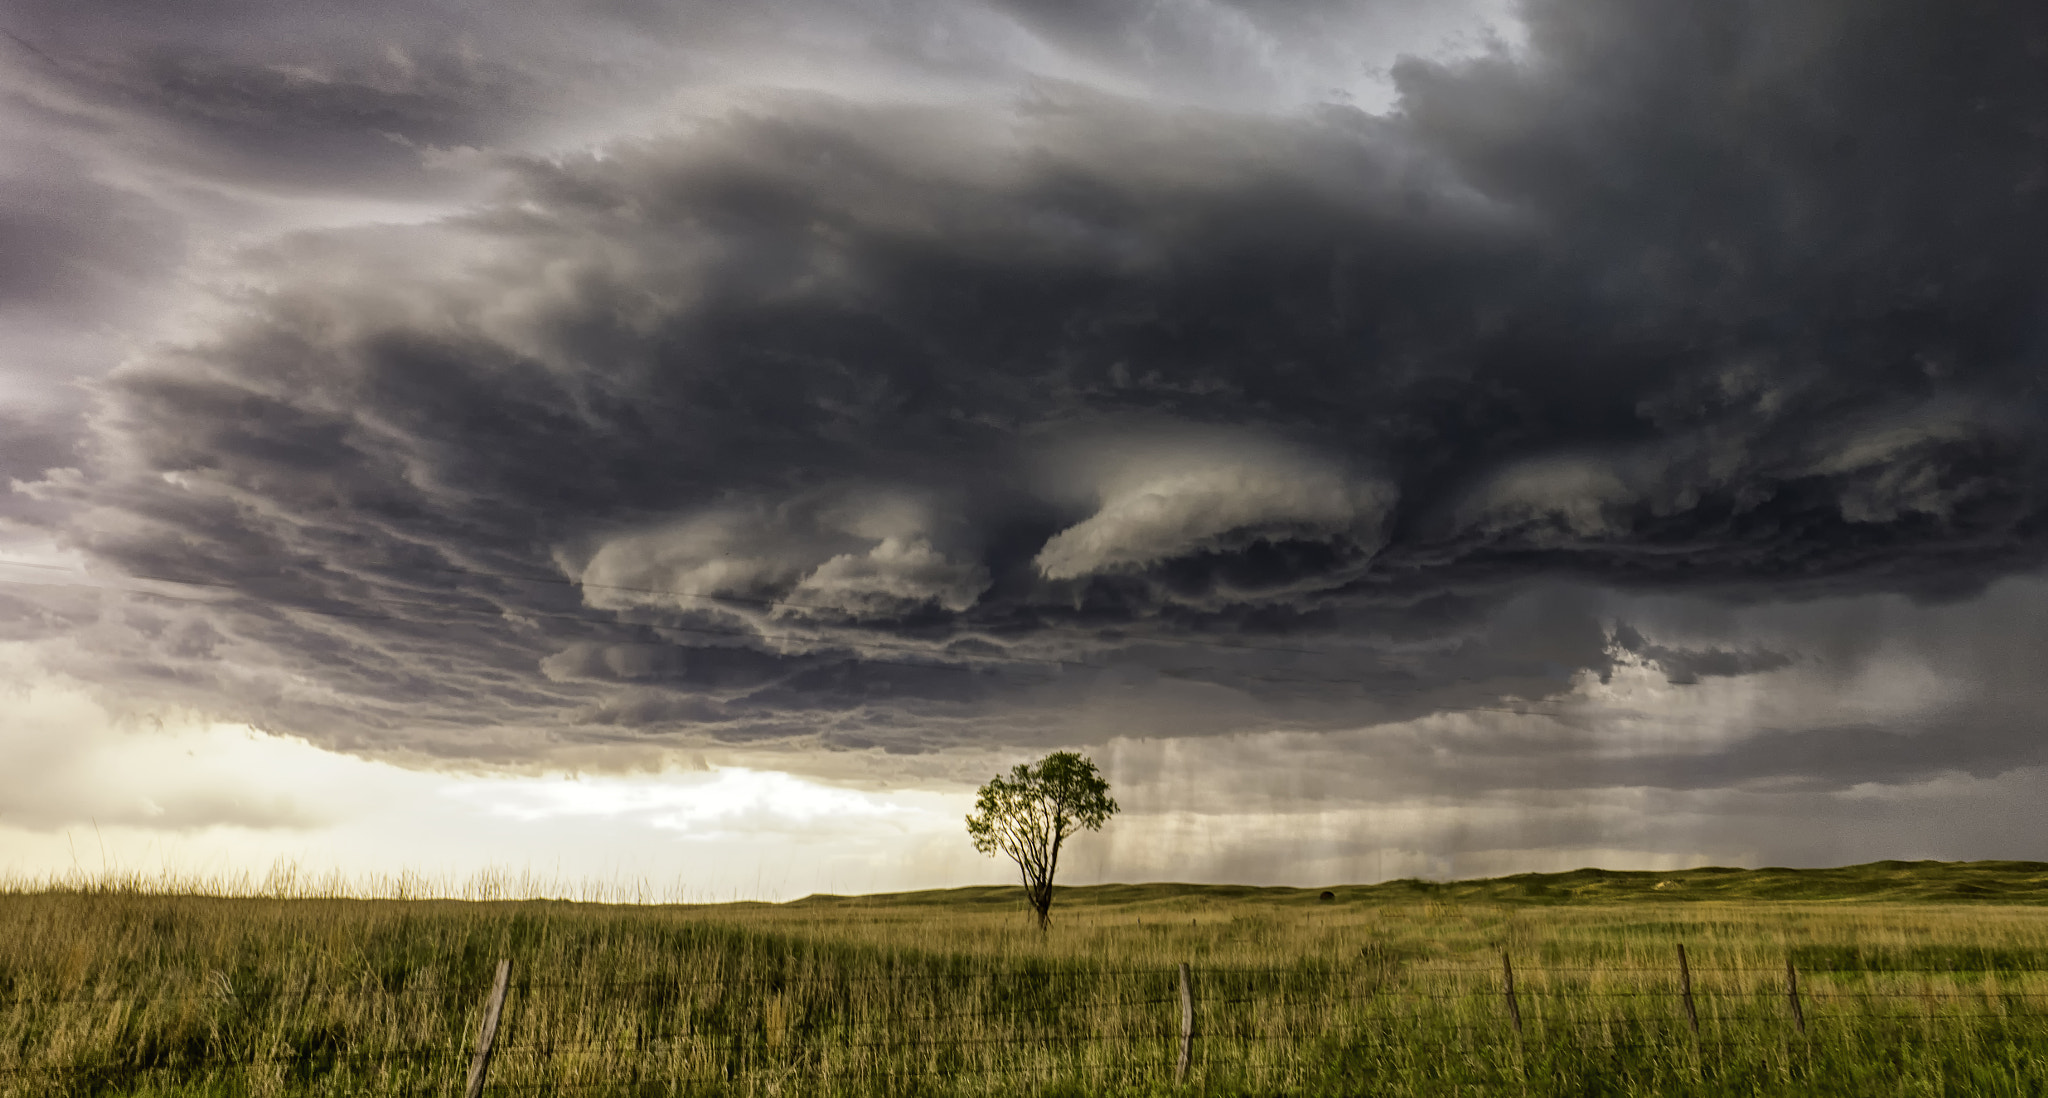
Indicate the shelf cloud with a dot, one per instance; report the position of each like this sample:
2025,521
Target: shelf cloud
987,377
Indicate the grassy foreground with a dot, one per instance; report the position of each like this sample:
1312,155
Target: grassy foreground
1914,978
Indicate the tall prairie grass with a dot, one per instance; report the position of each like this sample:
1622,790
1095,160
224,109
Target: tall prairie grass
131,986
289,880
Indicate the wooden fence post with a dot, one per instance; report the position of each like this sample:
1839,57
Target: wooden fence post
1792,996
481,1063
1507,972
1685,991
1187,1023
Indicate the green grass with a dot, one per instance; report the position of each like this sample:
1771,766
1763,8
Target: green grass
1916,979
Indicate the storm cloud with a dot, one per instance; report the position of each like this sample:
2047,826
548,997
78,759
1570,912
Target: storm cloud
1074,403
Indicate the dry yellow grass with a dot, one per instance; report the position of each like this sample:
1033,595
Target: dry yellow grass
114,988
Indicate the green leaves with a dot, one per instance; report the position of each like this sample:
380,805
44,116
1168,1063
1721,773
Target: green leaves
1030,813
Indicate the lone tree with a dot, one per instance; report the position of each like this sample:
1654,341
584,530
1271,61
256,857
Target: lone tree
1029,814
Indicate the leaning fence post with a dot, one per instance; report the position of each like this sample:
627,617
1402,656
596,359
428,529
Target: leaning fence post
1685,992
481,1063
1187,1023
1507,972
1792,996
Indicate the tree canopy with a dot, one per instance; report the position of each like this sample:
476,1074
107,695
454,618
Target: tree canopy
1031,813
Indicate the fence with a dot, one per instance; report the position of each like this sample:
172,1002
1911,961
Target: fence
527,1035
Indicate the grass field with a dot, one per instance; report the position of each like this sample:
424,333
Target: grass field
1914,978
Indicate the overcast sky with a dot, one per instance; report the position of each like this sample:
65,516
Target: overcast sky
700,442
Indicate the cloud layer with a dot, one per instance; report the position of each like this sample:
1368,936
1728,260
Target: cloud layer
1012,390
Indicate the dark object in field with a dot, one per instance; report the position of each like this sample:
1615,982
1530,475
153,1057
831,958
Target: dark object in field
1327,897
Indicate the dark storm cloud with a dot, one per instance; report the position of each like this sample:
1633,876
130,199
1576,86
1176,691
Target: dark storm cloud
69,240
1220,52
29,445
1689,665
345,100
911,427
76,254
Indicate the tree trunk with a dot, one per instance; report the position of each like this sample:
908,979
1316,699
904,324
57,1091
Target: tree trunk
1044,898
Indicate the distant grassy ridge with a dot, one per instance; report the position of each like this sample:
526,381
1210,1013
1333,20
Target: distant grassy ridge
1993,882
1879,882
